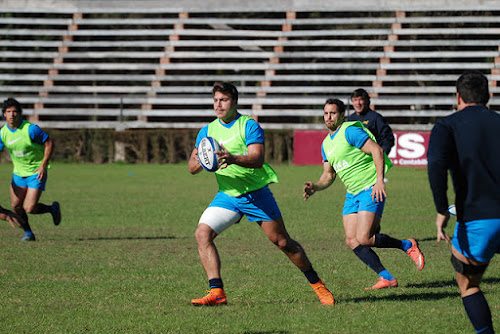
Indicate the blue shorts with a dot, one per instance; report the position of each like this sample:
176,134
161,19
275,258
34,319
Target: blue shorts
258,205
362,202
28,182
478,239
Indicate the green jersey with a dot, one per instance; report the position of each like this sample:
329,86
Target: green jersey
26,155
354,167
235,180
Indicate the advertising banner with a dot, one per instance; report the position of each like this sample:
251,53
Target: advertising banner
410,148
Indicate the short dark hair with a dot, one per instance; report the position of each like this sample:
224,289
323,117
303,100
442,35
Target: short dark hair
11,102
473,87
363,93
340,105
226,88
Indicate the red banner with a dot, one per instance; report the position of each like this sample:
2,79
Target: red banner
410,148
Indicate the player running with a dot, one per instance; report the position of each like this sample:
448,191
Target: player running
351,152
30,149
243,190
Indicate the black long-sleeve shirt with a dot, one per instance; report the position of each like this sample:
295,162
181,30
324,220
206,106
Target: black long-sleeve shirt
378,126
468,144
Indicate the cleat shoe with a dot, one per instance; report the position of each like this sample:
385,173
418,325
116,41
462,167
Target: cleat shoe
215,297
56,213
324,295
416,254
384,283
30,237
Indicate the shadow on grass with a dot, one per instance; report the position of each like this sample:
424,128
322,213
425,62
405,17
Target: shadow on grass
403,297
450,283
419,296
126,238
272,332
427,239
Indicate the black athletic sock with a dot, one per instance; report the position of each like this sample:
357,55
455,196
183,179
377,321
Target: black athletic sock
41,208
25,224
311,275
479,313
369,257
216,283
385,241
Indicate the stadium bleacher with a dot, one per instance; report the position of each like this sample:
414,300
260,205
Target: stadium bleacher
148,68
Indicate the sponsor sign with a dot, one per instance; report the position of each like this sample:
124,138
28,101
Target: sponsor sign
410,148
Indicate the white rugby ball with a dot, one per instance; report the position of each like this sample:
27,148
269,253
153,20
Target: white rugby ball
206,154
452,210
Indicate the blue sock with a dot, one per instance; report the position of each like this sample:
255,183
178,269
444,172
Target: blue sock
386,275
405,245
216,283
28,233
479,312
369,257
311,275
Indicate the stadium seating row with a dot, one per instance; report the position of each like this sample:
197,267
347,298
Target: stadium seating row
115,69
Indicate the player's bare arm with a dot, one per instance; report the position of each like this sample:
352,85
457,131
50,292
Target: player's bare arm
326,179
377,153
10,217
193,163
254,159
48,149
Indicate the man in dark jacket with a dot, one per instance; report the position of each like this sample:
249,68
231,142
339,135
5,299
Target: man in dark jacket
371,119
467,144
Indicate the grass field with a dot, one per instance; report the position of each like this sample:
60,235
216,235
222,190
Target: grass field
124,260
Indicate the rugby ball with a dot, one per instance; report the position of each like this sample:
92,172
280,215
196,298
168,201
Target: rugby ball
206,154
452,210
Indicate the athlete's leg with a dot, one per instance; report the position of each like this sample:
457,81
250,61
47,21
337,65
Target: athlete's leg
209,256
359,228
355,231
361,216
17,196
210,260
276,232
474,244
474,302
31,202
365,227
213,222
370,212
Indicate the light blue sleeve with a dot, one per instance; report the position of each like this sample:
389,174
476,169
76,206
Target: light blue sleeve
254,133
37,135
356,137
2,145
323,153
202,134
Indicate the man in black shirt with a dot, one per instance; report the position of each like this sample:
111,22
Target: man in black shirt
371,119
468,144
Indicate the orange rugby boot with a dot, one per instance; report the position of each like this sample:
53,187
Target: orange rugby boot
383,283
416,254
215,297
324,295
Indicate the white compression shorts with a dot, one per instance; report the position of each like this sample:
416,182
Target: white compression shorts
219,219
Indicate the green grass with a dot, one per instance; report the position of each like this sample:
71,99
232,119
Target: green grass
124,259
